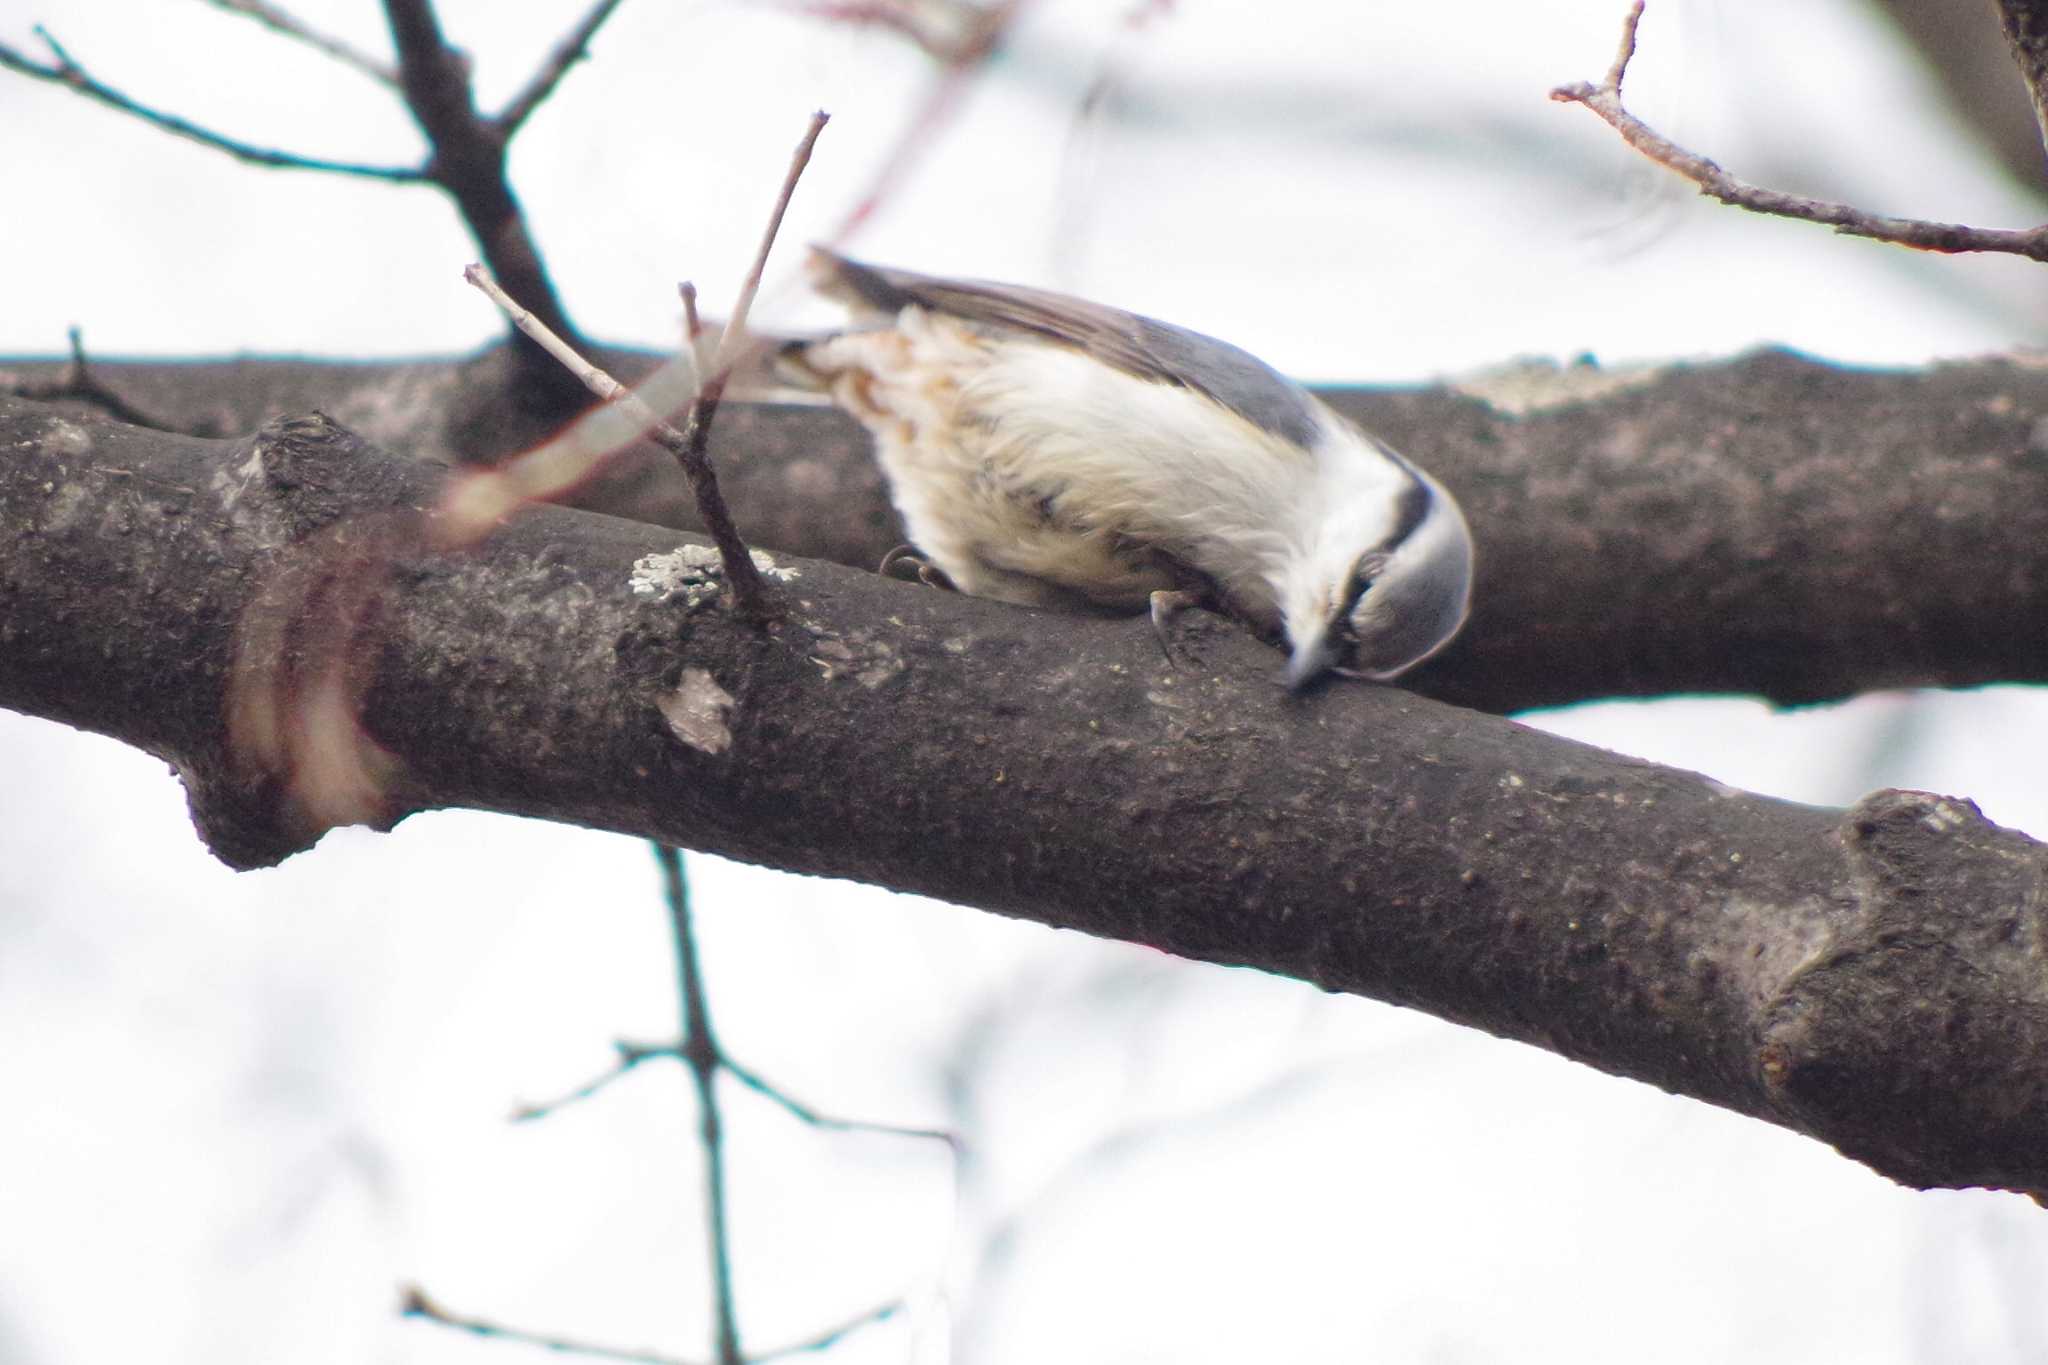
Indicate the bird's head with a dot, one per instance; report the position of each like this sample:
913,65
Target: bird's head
1382,581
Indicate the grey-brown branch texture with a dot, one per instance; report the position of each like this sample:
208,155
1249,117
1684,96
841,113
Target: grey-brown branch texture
1872,977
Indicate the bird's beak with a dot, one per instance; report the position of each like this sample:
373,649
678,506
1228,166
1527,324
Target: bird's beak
1311,659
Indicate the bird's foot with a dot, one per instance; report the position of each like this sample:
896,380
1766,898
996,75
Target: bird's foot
905,565
1169,603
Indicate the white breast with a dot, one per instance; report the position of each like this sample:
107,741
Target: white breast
1031,472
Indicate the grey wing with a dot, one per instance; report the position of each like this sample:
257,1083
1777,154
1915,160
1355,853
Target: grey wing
1142,346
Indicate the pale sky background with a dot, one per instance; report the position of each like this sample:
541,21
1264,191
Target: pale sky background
239,1110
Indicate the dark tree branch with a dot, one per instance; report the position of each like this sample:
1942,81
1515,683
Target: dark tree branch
1770,526
2026,31
279,20
1605,100
67,72
575,45
1876,978
466,158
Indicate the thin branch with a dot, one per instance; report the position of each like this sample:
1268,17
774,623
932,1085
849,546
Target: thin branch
588,374
805,1113
414,1302
700,1054
750,594
78,384
832,1336
1605,100
291,26
693,329
631,1055
64,71
486,499
573,47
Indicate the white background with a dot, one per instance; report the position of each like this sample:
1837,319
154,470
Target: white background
236,1111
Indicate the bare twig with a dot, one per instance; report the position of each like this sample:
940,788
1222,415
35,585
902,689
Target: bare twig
700,1054
490,495
414,1302
291,26
693,328
806,1114
78,384
1605,100
832,1336
482,498
574,46
632,1055
748,593
2026,31
736,324
67,72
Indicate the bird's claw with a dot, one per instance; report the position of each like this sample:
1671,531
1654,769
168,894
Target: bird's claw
905,564
1167,604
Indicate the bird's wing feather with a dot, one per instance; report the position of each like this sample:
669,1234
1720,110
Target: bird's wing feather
1141,346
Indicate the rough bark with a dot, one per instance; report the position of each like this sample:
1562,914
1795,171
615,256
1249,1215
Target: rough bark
1874,978
1769,525
2025,23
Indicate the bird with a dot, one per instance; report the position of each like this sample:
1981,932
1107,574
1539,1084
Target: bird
1053,452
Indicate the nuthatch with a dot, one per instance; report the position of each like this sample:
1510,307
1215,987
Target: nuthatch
1054,452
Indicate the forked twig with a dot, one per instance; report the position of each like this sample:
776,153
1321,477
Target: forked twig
1604,99
414,1302
688,445
750,594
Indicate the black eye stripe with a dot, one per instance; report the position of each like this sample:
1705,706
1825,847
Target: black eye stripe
1409,512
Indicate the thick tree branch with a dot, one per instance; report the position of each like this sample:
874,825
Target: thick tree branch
1604,99
1770,525
1875,978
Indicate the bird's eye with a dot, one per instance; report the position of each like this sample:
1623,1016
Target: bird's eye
1363,573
